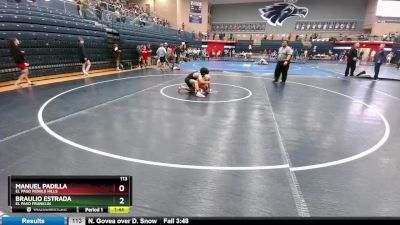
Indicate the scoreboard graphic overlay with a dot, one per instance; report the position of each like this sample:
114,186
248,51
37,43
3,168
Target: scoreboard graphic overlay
86,194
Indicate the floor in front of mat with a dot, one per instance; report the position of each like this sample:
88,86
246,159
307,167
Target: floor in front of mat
318,145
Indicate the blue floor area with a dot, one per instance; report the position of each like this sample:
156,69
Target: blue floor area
311,68
295,68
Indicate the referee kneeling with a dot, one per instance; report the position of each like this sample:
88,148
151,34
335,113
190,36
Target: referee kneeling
282,66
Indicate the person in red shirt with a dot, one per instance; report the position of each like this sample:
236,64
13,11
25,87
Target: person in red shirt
144,56
149,53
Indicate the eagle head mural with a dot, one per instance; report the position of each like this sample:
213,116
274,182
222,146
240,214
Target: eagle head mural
277,13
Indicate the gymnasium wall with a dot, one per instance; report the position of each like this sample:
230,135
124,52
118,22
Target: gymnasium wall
184,12
370,14
318,10
177,12
167,9
385,28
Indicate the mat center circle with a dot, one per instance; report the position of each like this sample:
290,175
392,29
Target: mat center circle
221,93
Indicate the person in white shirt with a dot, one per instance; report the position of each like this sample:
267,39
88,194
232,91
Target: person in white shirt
161,53
262,62
372,55
282,66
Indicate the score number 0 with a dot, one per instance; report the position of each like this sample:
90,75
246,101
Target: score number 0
121,188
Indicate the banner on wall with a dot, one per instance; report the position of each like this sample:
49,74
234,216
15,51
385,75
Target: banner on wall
239,27
381,19
325,25
195,19
195,7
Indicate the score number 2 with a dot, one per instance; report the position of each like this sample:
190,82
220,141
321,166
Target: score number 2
122,189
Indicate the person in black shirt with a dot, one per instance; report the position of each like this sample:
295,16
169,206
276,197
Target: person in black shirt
379,59
178,52
361,57
83,57
19,58
352,60
117,56
79,7
198,83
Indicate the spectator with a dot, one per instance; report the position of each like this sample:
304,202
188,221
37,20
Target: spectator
161,53
170,56
83,57
389,58
352,60
398,63
136,56
141,22
378,60
117,55
19,59
295,53
203,54
361,56
282,66
79,7
373,54
384,37
178,52
144,57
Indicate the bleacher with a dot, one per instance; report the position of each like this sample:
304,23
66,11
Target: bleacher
323,46
276,44
49,38
243,45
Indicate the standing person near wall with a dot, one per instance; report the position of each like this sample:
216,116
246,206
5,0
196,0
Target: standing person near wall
84,7
79,7
178,52
161,53
389,57
170,56
149,54
379,58
372,56
83,57
144,56
282,66
117,55
184,52
203,54
352,60
361,57
19,59
398,63
136,56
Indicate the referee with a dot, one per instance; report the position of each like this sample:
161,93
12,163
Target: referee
352,60
282,66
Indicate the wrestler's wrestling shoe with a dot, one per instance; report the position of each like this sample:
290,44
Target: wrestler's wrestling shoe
200,95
